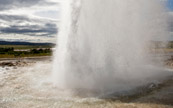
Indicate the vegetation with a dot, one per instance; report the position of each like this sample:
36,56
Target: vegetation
16,51
25,46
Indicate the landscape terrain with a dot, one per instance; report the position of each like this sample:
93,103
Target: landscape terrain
24,71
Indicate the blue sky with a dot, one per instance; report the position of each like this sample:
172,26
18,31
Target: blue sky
170,4
36,20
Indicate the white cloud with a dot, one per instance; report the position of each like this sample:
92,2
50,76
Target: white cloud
27,38
28,20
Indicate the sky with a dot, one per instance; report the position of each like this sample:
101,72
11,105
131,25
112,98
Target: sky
29,20
170,4
36,20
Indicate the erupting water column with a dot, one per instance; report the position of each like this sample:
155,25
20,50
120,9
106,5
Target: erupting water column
102,44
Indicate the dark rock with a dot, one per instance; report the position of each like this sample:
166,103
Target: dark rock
7,64
13,64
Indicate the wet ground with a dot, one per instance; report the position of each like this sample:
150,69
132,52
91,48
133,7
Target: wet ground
28,86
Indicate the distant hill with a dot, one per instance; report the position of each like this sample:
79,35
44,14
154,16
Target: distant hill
24,43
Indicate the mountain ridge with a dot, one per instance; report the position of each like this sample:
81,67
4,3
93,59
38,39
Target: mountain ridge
23,43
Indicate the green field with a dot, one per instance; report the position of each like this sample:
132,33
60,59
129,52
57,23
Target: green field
39,50
25,46
18,51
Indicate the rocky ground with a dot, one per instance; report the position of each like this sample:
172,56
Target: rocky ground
24,83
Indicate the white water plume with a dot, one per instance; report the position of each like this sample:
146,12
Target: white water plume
103,44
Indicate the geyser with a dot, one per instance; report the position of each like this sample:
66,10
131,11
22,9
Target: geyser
103,44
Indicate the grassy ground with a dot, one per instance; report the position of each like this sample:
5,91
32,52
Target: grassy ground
24,46
165,50
30,47
25,51
28,55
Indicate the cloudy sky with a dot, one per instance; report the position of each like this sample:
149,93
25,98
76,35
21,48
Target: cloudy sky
35,20
29,20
